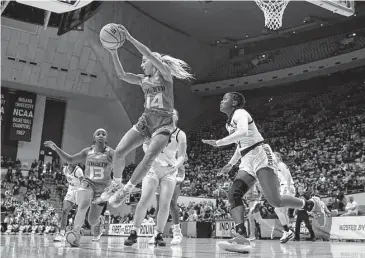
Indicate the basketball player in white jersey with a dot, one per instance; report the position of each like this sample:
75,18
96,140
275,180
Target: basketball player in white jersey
74,176
98,160
257,163
174,209
286,188
163,175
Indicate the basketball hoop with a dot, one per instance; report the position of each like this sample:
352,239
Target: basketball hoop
273,11
4,4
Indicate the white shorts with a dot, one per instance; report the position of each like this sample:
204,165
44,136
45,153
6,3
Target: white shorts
180,176
160,173
285,191
71,195
260,157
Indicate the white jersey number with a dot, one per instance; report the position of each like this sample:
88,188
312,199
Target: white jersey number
156,101
96,173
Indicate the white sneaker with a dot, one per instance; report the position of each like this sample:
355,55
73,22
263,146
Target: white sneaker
108,192
287,236
119,197
177,238
151,241
238,244
96,238
59,238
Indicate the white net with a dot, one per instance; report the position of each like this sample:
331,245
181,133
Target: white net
273,11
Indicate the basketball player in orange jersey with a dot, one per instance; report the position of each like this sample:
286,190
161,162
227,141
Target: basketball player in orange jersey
174,209
97,175
156,123
74,176
163,175
257,163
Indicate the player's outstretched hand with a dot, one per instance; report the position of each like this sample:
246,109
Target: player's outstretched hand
124,31
50,144
225,170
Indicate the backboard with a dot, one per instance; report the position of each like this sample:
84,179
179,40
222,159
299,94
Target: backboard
346,8
56,6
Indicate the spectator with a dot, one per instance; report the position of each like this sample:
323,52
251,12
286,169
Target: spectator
352,208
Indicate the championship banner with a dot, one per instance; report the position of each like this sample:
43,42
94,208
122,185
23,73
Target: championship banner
351,227
4,96
22,112
125,229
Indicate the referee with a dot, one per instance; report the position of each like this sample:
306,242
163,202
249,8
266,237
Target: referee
302,215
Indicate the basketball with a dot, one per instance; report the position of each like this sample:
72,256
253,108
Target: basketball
111,37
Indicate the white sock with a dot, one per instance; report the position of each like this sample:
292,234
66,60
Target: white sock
129,187
176,227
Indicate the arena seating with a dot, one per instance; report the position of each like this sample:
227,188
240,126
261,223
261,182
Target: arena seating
284,58
321,134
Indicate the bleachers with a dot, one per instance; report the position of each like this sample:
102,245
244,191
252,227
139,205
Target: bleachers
284,58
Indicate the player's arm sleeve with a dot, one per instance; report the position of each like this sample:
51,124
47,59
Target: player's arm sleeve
235,158
241,119
181,152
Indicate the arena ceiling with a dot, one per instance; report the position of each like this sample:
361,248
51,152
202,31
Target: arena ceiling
233,20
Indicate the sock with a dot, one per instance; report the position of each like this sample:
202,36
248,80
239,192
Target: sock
118,180
286,228
176,226
62,232
129,187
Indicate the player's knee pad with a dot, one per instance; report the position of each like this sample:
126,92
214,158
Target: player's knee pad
238,189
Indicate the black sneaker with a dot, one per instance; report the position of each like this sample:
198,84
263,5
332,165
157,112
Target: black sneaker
159,240
132,239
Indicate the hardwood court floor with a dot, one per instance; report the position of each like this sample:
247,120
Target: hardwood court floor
32,246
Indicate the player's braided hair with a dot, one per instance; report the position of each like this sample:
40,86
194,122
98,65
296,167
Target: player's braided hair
240,99
236,96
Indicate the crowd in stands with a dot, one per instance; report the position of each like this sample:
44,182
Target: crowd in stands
252,64
319,131
26,212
